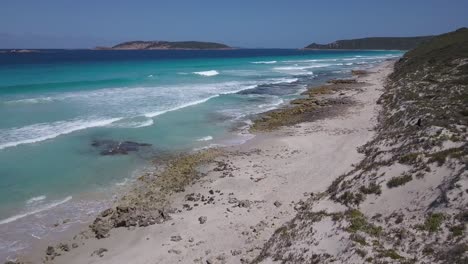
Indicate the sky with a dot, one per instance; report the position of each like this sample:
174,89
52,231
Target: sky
238,23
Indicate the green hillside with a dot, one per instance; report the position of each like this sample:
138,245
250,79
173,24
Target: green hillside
376,43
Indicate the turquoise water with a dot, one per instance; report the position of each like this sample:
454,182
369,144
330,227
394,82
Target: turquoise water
54,104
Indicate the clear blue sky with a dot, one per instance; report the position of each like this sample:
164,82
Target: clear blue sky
243,23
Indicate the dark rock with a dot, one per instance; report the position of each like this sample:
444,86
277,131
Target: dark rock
64,247
236,252
277,203
202,219
111,147
176,238
174,251
99,252
123,217
342,81
50,251
192,197
244,203
107,212
74,245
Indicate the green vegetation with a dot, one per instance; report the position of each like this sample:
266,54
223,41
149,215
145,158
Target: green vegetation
433,222
409,158
391,253
399,180
439,50
372,188
358,238
148,45
362,253
441,156
380,43
350,198
457,230
358,222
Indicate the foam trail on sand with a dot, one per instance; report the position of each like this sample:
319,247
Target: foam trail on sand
46,207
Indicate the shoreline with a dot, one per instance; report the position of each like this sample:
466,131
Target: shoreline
256,186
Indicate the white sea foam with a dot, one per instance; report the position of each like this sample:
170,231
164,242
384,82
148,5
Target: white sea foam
209,146
207,138
264,62
133,123
300,69
294,70
313,60
35,211
283,80
36,236
39,132
122,183
207,73
271,106
36,199
37,100
129,104
157,113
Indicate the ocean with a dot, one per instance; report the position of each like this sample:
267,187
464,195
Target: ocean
56,104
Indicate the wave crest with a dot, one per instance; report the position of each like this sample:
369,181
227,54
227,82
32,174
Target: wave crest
36,199
207,138
38,100
38,210
207,73
264,62
39,132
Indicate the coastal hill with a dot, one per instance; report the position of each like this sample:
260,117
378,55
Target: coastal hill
406,201
374,43
165,45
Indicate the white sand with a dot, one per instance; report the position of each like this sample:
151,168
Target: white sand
284,166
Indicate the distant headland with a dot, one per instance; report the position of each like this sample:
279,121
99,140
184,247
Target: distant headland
166,45
373,43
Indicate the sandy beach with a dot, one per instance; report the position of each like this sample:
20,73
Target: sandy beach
246,192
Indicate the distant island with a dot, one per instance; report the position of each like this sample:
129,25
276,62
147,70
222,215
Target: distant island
374,43
166,45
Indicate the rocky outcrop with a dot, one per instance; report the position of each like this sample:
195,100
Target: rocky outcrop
112,147
123,216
